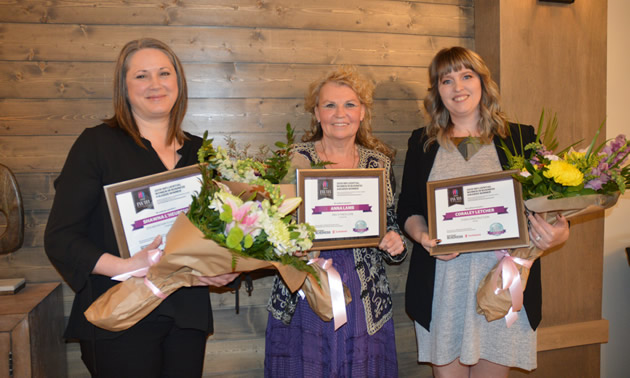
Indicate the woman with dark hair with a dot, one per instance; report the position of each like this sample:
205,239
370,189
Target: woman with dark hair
462,138
298,343
143,137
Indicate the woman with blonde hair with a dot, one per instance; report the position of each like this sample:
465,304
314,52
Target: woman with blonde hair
298,343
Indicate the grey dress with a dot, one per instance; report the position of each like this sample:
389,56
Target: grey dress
456,329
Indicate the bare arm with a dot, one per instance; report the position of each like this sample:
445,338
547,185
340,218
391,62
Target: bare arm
416,228
110,265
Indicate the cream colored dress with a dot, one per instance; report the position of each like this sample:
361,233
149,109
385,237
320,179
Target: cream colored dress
456,329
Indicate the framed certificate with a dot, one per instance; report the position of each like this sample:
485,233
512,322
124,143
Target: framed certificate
346,206
477,213
146,207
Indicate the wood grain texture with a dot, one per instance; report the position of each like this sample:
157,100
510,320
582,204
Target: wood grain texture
248,63
34,319
553,56
93,80
573,334
12,212
198,44
357,15
63,119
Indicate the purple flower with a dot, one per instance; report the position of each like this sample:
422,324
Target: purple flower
601,176
595,184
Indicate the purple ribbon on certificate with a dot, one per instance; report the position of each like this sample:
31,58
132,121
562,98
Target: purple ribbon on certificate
473,212
336,208
157,218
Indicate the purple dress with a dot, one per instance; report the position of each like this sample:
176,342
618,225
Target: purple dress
300,344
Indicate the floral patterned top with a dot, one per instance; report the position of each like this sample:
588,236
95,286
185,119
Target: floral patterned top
375,292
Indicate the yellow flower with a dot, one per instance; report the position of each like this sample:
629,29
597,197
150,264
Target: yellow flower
564,173
574,155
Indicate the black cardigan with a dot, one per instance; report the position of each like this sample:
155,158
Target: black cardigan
413,201
80,229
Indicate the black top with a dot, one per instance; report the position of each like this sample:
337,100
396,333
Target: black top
413,201
80,229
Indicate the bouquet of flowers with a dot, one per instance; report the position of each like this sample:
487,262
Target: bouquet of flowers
238,225
570,182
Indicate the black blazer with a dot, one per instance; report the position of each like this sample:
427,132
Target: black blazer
413,201
79,227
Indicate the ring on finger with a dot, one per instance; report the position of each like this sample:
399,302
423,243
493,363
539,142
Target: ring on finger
538,238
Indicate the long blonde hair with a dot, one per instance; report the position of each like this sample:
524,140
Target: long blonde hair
492,121
349,76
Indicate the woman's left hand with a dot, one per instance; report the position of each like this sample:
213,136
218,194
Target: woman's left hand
545,235
392,243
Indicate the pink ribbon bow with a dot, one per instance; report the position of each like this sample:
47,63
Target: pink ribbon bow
336,290
511,280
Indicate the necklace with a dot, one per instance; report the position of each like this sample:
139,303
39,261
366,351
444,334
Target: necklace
354,154
174,153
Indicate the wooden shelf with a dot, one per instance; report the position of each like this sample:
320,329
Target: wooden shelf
31,332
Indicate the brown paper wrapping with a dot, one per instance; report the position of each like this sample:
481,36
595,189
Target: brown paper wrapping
496,306
318,294
187,255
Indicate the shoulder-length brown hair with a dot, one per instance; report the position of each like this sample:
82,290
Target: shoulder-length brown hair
123,117
492,122
349,76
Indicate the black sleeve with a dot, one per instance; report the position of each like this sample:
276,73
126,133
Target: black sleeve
78,190
413,191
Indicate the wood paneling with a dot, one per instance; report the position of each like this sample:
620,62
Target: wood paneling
356,15
35,42
553,56
248,64
60,118
574,334
93,80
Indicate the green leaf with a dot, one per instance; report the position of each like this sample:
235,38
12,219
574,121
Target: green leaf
234,238
248,241
226,215
590,148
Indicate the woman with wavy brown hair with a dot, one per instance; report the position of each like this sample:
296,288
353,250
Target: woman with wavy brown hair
463,137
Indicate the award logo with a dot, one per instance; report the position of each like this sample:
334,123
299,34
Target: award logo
496,229
142,199
360,226
324,188
455,196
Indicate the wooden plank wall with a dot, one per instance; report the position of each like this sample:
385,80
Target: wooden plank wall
248,64
538,42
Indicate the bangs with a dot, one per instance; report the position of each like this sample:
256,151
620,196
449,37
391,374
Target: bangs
452,60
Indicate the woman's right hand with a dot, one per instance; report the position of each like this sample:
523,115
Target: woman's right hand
110,265
144,258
